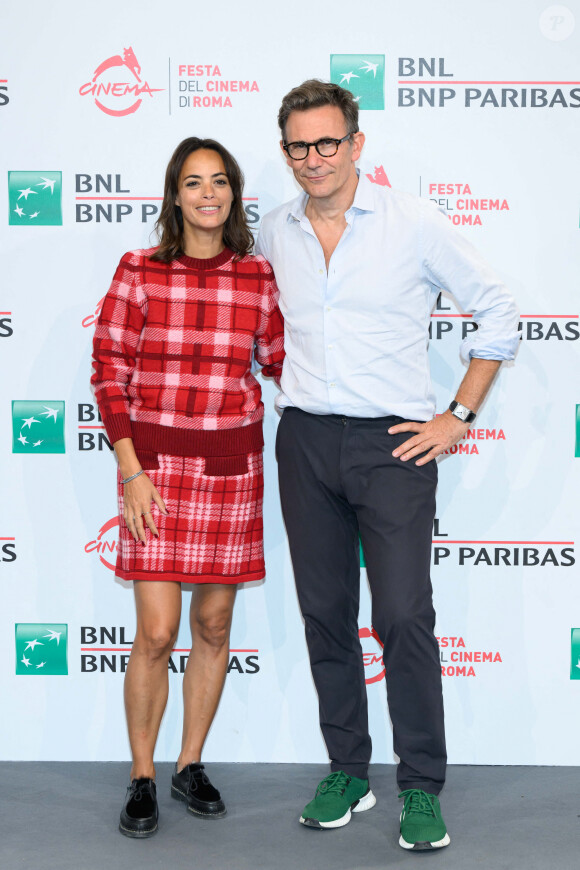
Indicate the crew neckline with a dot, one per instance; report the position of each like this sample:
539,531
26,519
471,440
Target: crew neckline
210,262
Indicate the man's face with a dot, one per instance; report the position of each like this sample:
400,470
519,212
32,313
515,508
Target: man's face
323,177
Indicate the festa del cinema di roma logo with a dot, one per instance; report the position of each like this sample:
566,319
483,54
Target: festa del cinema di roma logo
117,86
456,659
41,649
106,543
372,655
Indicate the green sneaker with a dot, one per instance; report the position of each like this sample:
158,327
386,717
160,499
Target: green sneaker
336,796
422,826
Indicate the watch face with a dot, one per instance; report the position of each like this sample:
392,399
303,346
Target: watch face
462,412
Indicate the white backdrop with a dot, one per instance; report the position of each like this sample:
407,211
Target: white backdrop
485,123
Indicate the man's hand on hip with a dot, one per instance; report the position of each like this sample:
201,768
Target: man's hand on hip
432,438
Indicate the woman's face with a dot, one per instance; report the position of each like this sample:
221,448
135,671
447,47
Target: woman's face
204,193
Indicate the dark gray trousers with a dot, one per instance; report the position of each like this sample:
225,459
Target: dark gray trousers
339,480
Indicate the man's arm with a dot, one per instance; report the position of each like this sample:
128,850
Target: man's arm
451,262
444,431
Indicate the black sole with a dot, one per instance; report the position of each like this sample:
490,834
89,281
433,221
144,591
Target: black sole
180,796
138,835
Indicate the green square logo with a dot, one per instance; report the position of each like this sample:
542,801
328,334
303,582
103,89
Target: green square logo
41,648
575,655
577,451
35,198
37,427
363,75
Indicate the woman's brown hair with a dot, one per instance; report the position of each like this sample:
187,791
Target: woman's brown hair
169,225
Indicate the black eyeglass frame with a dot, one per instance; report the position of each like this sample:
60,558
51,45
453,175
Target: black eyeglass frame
309,145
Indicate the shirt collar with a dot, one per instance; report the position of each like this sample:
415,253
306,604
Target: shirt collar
363,200
297,207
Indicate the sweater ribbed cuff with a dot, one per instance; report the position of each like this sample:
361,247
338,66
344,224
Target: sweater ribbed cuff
118,426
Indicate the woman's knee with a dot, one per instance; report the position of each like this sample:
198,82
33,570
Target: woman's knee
212,626
156,640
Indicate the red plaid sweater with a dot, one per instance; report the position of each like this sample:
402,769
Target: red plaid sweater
172,354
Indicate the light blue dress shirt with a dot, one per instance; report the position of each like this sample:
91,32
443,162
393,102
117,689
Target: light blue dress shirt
356,336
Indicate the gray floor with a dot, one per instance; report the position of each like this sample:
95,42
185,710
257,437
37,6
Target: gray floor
65,815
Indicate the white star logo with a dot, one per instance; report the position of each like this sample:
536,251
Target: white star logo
50,412
28,421
19,211
346,77
23,439
35,214
37,443
46,182
25,661
370,67
53,635
25,193
356,99
41,665
32,643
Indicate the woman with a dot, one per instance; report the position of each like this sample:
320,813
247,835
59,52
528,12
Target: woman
172,377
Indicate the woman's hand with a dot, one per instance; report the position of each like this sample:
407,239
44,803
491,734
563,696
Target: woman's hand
138,496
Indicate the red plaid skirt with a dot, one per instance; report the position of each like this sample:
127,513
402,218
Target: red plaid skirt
214,530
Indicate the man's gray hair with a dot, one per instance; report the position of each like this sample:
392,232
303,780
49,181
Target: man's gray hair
314,93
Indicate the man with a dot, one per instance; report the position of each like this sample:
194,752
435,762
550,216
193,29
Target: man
359,269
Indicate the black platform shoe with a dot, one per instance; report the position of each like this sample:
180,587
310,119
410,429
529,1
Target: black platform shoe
140,814
193,786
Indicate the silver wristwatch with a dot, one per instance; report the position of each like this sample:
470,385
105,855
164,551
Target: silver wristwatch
461,412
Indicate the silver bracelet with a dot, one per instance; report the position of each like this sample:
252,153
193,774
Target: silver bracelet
133,476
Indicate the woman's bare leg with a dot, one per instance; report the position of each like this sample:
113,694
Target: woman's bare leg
211,612
158,606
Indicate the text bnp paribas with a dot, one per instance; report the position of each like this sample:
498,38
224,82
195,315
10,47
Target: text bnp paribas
426,82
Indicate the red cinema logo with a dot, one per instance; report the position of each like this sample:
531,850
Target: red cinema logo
117,85
91,319
379,177
372,655
106,543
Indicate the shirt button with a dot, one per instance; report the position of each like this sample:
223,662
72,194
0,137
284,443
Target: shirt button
328,308
333,385
321,271
330,346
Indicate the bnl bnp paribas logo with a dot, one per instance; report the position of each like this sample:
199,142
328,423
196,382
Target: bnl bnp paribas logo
363,75
35,199
41,648
37,427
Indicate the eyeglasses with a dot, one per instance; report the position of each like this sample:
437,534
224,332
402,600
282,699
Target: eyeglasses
326,147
